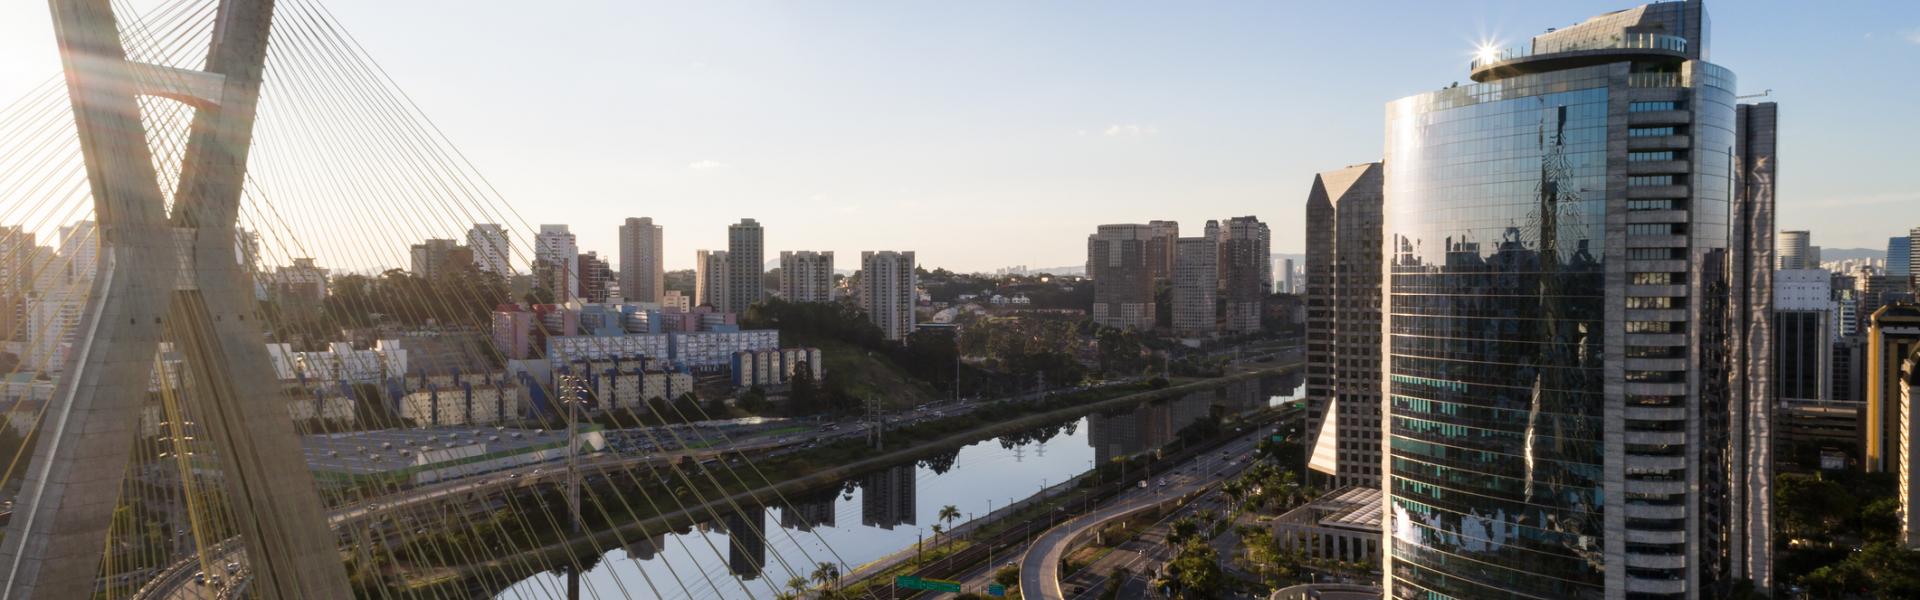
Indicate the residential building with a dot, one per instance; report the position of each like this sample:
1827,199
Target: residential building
1286,277
1119,258
643,275
675,300
1161,249
1912,281
746,263
1892,336
1803,332
1795,249
301,281
436,257
492,249
711,279
887,291
1195,283
807,276
1343,324
17,251
79,252
556,263
1246,272
1559,236
596,277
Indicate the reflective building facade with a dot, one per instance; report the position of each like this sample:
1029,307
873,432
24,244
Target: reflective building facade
1559,238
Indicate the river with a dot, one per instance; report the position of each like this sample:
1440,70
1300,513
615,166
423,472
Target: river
885,511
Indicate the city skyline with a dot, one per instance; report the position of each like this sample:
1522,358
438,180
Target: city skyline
1209,120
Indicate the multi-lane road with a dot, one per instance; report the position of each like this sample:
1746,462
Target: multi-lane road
1040,566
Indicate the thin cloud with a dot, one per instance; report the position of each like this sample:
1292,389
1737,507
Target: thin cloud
1911,35
706,165
1131,130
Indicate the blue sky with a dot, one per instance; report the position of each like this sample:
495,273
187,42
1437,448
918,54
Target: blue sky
985,134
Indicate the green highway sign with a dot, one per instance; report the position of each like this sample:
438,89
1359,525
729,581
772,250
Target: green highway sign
996,590
921,583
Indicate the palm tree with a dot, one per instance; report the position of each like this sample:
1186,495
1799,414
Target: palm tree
948,514
826,574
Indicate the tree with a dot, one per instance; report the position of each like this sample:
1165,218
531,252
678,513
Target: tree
753,401
687,407
1195,572
803,394
826,574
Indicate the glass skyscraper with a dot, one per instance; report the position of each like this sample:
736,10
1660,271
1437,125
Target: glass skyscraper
1563,240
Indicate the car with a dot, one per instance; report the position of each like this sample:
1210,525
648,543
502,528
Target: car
1163,482
1143,484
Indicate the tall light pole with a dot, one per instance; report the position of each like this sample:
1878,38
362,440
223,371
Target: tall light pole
574,392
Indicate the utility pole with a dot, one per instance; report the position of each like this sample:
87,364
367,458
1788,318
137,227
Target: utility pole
575,394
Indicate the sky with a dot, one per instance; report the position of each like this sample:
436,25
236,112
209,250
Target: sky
990,134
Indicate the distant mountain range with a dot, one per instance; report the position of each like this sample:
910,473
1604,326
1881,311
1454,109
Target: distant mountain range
1840,254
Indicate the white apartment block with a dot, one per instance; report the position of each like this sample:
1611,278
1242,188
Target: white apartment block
887,283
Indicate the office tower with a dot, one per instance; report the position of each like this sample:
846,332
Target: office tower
596,278
433,258
643,276
1912,281
746,263
747,541
1813,258
1286,277
1909,479
1900,257
887,283
1161,249
1123,287
1892,336
1195,281
492,250
1246,272
556,263
711,280
1795,246
807,276
1803,333
1558,307
1343,323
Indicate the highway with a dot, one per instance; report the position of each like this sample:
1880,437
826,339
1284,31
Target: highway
1040,567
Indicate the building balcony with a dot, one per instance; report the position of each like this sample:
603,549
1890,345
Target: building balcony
1656,266
1659,167
1656,561
1660,117
1656,438
1658,216
1656,314
1654,511
1655,364
1656,463
1657,192
1522,60
1657,291
1665,488
1656,389
1660,142
1656,241
1656,586
1674,537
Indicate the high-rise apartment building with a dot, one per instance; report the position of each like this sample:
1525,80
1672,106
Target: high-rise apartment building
302,281
80,251
807,276
556,263
1913,258
1195,283
1343,323
1559,319
887,291
596,278
643,274
492,249
1121,264
436,257
746,256
1795,250
17,251
1892,336
1246,272
711,280
1286,277
1161,249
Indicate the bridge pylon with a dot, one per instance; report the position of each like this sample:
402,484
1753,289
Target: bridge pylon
175,277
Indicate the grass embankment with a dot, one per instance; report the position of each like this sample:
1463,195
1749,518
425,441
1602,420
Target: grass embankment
868,375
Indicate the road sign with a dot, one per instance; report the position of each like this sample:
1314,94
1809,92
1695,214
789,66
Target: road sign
921,583
996,590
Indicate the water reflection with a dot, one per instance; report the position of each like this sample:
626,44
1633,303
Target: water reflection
753,551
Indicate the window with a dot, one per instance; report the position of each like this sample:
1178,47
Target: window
1650,180
1650,302
1655,253
1656,279
1652,205
1652,106
1655,327
1649,131
1657,229
1650,156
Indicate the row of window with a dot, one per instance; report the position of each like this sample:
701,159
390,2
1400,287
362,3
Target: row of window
1649,131
1655,106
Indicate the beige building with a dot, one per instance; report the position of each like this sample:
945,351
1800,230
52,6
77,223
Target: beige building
643,275
807,276
887,291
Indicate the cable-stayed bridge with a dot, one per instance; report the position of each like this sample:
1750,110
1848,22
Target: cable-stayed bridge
163,203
